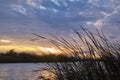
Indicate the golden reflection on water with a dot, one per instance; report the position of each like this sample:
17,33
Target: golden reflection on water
46,74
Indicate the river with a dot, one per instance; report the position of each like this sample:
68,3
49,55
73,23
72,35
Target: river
20,71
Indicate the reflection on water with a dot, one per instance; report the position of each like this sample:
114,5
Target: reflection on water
46,74
21,71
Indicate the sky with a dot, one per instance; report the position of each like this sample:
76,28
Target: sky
20,18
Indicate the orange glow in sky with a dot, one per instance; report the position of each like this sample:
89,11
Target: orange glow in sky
5,41
26,46
49,50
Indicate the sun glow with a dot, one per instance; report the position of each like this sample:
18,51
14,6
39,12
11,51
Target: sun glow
5,41
49,50
8,44
17,48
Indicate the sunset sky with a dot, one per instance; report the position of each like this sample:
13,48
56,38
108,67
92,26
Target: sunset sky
20,18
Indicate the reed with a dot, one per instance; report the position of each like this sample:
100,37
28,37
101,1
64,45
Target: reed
100,62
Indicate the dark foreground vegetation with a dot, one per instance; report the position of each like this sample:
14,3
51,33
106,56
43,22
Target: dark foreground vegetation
23,57
107,67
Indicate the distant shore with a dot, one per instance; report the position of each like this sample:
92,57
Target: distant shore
23,57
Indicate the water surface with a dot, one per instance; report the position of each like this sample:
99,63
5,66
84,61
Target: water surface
19,71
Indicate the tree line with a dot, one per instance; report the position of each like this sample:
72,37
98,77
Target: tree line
23,57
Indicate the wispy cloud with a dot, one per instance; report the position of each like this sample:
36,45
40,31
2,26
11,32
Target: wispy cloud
59,15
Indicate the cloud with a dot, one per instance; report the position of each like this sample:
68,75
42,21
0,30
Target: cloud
19,8
30,2
58,15
5,41
56,2
20,18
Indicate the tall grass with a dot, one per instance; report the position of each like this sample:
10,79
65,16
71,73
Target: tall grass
100,62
